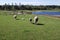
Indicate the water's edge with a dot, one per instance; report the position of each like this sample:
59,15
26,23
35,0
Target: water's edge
47,13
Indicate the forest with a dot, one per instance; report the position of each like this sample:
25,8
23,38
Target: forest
28,7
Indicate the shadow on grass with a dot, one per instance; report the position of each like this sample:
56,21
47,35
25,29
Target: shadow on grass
38,24
17,19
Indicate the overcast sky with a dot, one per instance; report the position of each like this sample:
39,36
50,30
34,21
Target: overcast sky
31,2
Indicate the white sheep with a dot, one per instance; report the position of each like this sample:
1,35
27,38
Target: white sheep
35,19
15,16
23,18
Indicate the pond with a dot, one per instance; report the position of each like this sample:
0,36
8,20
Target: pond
47,13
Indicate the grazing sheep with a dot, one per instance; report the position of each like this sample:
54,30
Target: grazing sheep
35,19
30,19
15,16
23,18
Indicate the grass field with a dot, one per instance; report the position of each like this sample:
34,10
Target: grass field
11,29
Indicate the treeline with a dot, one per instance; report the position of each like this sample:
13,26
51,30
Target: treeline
28,7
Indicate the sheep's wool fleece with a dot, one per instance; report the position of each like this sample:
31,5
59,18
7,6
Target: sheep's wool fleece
35,17
14,15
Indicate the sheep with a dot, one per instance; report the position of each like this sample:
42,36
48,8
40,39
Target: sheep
35,19
23,18
15,16
30,19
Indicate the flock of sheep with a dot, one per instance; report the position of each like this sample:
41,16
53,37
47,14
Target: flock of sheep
30,19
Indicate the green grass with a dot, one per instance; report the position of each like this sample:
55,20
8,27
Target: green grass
11,29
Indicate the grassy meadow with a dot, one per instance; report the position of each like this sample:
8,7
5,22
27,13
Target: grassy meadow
11,29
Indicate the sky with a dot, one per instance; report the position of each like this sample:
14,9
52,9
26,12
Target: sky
31,2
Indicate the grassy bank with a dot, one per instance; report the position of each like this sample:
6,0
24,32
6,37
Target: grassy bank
55,10
4,12
58,10
11,29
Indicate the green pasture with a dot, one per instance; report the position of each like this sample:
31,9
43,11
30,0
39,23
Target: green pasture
11,29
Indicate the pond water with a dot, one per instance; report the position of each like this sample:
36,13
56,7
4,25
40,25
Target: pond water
47,13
